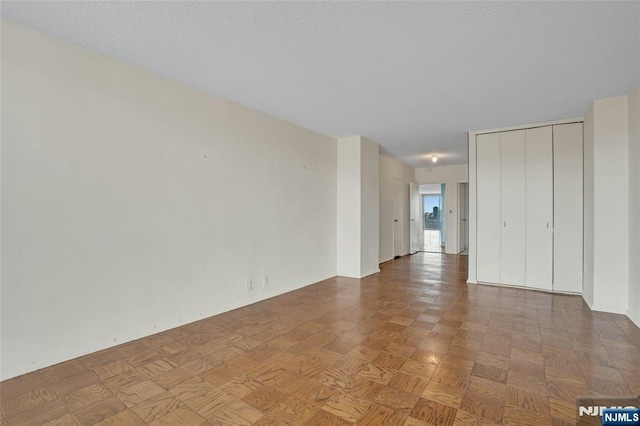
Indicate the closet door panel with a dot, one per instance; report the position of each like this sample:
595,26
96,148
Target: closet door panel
567,207
512,162
488,207
539,208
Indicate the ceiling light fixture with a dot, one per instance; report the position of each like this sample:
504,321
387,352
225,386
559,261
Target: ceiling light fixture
434,158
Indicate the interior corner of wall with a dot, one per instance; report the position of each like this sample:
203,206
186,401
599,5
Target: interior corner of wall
373,271
634,317
587,301
608,309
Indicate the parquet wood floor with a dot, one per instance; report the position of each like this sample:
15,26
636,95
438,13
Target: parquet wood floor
412,345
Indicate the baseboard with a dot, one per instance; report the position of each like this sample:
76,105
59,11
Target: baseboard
152,330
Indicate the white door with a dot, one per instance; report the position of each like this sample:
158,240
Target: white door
567,207
488,207
398,216
512,193
414,219
539,211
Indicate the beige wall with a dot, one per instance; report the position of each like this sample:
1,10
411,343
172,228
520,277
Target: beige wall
634,205
370,202
349,208
127,203
588,217
610,171
358,205
611,205
390,170
436,174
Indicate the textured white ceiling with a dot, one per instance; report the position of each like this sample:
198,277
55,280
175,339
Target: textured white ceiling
413,76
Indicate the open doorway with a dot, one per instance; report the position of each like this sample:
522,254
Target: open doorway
433,220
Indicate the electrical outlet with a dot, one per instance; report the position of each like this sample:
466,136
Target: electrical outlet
249,286
265,282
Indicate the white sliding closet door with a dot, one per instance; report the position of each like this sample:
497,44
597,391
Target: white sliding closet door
512,182
488,207
567,207
539,208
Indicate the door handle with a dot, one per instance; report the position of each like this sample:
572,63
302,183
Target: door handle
505,223
395,220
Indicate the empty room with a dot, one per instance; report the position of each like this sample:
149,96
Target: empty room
319,213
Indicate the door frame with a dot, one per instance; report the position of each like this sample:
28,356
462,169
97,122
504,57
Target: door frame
415,218
399,214
443,209
463,213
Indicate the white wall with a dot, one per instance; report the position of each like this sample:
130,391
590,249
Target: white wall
370,205
588,200
391,169
440,174
430,189
451,176
127,206
611,205
349,207
633,311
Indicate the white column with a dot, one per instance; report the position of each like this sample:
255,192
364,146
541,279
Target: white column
358,207
606,231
